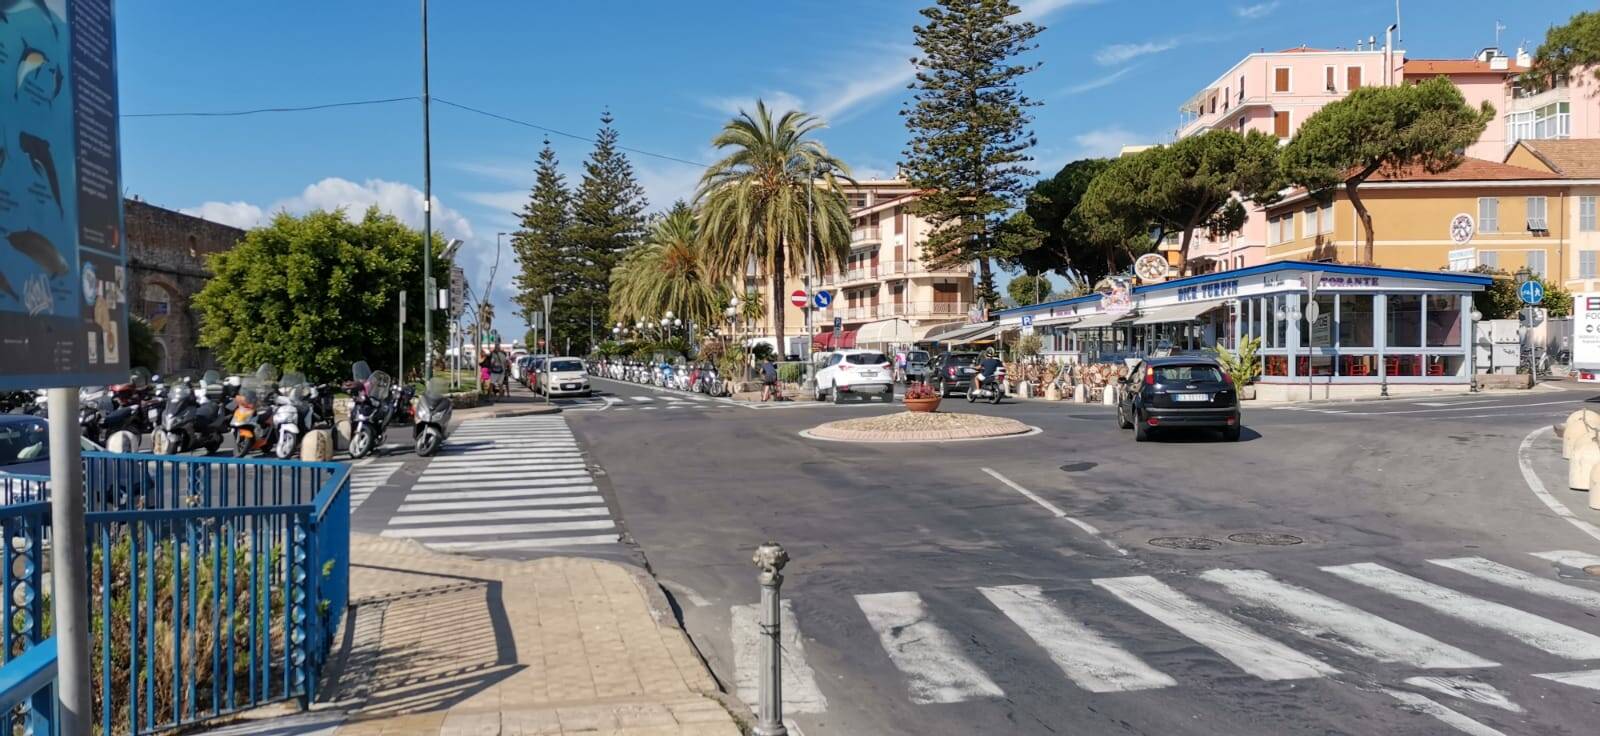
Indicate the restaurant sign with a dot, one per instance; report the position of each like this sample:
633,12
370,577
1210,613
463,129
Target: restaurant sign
1213,290
1348,282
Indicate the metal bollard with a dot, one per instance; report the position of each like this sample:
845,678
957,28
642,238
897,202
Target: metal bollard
771,558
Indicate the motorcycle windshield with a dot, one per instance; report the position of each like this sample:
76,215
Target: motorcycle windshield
267,373
139,378
179,394
437,388
360,371
379,385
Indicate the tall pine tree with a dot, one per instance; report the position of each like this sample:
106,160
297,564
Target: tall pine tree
969,136
607,219
541,242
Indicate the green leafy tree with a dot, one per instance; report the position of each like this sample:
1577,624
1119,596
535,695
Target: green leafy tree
1565,49
753,202
668,273
1027,290
968,152
1065,245
1115,217
607,219
142,350
317,293
1501,300
1392,129
541,244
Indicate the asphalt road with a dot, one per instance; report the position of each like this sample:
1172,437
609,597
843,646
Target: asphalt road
931,595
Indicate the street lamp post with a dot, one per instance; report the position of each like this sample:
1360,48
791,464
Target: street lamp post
427,209
1529,352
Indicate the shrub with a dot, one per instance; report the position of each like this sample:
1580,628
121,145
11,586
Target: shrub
791,372
1244,365
920,390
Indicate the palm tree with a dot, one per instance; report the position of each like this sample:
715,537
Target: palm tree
668,272
754,202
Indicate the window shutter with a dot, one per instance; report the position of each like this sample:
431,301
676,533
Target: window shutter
1352,78
1280,79
1280,123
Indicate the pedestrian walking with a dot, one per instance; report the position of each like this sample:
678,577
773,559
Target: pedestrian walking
769,381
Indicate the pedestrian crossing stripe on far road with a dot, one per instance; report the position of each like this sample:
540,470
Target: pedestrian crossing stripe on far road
935,663
506,485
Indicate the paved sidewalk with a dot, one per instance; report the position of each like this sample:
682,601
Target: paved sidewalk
445,644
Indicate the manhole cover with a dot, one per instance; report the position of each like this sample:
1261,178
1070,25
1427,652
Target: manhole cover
1593,570
1186,542
1078,467
1275,540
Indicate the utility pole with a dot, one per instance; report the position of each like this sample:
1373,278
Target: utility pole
549,341
69,566
427,207
811,305
401,369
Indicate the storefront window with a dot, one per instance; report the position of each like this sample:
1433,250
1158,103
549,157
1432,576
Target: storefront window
1444,320
1358,366
1355,321
1405,321
1275,365
1402,365
1282,329
1321,333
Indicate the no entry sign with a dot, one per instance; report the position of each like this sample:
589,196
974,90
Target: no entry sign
798,298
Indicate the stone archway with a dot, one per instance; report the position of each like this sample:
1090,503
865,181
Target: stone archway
161,365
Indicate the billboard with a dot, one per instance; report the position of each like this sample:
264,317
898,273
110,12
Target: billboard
63,263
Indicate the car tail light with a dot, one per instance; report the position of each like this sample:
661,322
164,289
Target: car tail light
844,366
1227,379
952,373
1152,421
1149,376
1233,421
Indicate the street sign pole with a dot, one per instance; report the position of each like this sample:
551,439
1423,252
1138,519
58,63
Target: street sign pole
69,566
549,343
427,206
402,333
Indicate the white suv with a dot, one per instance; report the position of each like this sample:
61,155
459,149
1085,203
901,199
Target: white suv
859,372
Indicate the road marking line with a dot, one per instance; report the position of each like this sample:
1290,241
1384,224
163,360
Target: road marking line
1052,508
1422,704
528,480
564,489
1252,652
642,399
1569,558
506,515
504,468
798,683
1465,408
413,508
1467,689
509,461
1087,658
1535,631
523,544
1455,403
493,529
1511,577
936,669
1583,678
1537,486
1319,617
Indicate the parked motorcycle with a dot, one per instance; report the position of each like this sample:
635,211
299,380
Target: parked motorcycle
253,410
433,417
296,413
989,387
371,408
194,417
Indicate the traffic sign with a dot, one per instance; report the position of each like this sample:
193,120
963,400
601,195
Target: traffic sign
838,323
1027,320
1532,292
1313,310
822,299
798,298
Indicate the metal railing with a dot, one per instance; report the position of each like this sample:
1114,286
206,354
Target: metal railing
924,309
216,584
867,234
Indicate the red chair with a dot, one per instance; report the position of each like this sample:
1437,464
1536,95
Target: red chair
1436,367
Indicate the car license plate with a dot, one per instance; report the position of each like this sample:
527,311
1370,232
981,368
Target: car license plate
869,373
569,387
1193,397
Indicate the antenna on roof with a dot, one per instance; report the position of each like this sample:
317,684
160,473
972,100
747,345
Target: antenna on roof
1498,27
1399,35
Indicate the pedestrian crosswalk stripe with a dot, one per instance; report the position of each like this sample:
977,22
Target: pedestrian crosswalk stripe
1535,631
367,478
511,545
936,669
503,515
1325,619
642,399
509,474
488,530
1467,689
500,504
1583,678
1511,577
487,458
559,487
573,475
505,466
1087,658
1252,652
1570,558
1454,719
800,691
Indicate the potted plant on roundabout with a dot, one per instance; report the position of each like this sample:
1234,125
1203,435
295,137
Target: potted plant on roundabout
919,397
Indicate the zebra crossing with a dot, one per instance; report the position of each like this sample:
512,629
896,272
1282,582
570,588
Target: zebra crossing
659,402
499,485
369,476
932,645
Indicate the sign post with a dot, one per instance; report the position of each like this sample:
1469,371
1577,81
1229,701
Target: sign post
549,344
63,273
1311,312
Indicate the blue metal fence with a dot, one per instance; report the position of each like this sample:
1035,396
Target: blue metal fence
215,583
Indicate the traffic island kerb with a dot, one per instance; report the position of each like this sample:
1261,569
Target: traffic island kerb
920,427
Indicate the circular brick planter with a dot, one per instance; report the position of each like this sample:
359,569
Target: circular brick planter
920,427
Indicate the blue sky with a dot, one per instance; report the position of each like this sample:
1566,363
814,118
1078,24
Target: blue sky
1114,72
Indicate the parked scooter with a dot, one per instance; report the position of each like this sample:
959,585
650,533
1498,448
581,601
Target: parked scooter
371,408
194,417
433,417
989,387
253,411
295,415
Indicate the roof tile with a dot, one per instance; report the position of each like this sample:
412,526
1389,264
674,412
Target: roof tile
1577,158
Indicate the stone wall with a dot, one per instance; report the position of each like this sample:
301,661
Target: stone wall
166,259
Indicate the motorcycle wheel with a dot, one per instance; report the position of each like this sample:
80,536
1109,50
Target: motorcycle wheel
241,446
361,442
285,446
427,443
994,398
213,444
972,395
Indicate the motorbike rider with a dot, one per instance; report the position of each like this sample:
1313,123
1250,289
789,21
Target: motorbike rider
989,367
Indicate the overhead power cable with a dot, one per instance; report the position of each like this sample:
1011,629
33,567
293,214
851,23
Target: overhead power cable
260,110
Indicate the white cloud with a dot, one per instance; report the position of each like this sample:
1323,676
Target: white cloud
1099,82
778,101
1258,10
1036,9
864,84
401,200
1106,141
519,175
507,201
238,214
1123,52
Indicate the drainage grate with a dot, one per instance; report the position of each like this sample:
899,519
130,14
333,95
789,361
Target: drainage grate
1186,543
1078,467
1272,540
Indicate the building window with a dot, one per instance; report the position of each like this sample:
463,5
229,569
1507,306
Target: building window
1489,258
1444,320
1280,79
1542,123
1326,219
1536,263
1586,219
858,200
1328,79
1241,88
1280,123
1309,227
1404,321
1352,78
1238,261
1355,321
1536,215
1588,263
1488,215
899,222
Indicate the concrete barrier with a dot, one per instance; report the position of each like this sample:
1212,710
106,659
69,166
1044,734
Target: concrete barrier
1582,464
1580,424
123,441
317,446
1109,396
1594,487
1080,394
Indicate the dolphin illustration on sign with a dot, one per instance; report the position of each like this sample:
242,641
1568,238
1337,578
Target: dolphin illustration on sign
28,62
38,152
54,11
40,250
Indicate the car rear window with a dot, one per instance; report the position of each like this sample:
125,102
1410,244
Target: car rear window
1187,373
866,359
963,359
917,356
565,366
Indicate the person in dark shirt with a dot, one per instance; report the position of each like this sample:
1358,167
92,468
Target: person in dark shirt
769,381
988,367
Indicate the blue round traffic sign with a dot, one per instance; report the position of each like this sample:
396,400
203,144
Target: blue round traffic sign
822,299
1532,292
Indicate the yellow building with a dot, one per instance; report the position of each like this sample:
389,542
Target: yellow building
1524,212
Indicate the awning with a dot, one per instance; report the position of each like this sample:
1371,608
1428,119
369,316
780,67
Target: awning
1065,319
1177,313
824,340
884,331
984,332
939,332
956,337
1095,321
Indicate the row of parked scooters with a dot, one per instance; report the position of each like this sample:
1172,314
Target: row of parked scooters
263,412
700,378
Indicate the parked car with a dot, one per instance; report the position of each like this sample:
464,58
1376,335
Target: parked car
916,365
25,450
1178,392
566,377
533,372
859,372
951,373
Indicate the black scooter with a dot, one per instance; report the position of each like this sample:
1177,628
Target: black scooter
194,418
372,408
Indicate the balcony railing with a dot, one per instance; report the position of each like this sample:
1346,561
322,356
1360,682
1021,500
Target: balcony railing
863,235
921,310
866,273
